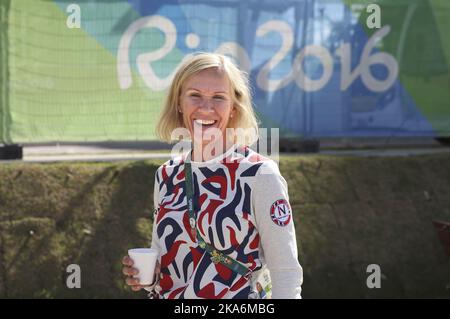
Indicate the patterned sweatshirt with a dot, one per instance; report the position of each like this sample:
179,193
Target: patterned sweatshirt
242,210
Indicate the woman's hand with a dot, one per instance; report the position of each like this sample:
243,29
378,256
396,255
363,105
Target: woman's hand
129,271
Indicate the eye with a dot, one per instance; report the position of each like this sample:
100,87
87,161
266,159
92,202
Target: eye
219,97
194,95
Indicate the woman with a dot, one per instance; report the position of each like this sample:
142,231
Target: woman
237,229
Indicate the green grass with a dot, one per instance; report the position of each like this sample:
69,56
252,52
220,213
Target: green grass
348,212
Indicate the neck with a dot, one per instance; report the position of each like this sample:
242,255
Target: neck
205,152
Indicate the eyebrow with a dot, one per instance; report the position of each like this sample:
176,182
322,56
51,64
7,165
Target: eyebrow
223,92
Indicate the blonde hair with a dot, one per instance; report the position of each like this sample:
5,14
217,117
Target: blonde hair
244,117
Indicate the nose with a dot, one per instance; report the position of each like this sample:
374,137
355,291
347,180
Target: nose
207,105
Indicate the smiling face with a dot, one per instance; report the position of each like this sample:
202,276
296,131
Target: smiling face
206,102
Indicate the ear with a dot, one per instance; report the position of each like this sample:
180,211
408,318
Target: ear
233,112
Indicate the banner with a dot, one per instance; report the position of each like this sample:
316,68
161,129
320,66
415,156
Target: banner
99,70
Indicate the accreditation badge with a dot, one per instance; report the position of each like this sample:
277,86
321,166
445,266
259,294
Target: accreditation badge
260,284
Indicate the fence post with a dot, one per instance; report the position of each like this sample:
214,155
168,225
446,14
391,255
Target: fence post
8,150
4,74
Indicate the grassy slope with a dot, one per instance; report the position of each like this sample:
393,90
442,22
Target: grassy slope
349,212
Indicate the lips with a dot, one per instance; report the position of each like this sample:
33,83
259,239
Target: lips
205,123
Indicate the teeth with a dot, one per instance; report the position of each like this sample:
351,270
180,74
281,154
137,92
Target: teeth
204,122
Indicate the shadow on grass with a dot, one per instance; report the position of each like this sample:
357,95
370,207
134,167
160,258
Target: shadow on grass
129,210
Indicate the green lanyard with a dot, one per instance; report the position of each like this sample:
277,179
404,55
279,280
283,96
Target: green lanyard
216,255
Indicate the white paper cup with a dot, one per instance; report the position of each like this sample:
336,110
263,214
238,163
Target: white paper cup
144,260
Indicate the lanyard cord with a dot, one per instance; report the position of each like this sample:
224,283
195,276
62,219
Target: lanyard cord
216,255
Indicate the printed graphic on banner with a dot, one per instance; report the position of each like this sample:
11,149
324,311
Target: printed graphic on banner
99,70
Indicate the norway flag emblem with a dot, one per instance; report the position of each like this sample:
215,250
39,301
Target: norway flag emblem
280,212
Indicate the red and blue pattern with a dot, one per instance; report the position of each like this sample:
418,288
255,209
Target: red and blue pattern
225,220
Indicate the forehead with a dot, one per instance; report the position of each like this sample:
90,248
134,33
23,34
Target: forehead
208,80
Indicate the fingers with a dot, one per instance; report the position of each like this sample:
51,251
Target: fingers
127,261
129,271
136,288
132,281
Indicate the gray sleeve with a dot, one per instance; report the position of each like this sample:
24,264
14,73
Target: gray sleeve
275,225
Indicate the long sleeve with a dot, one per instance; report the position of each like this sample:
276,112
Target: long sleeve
274,219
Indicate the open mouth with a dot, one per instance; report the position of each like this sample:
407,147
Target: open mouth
205,123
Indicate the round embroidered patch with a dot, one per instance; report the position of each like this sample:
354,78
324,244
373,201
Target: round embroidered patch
280,212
